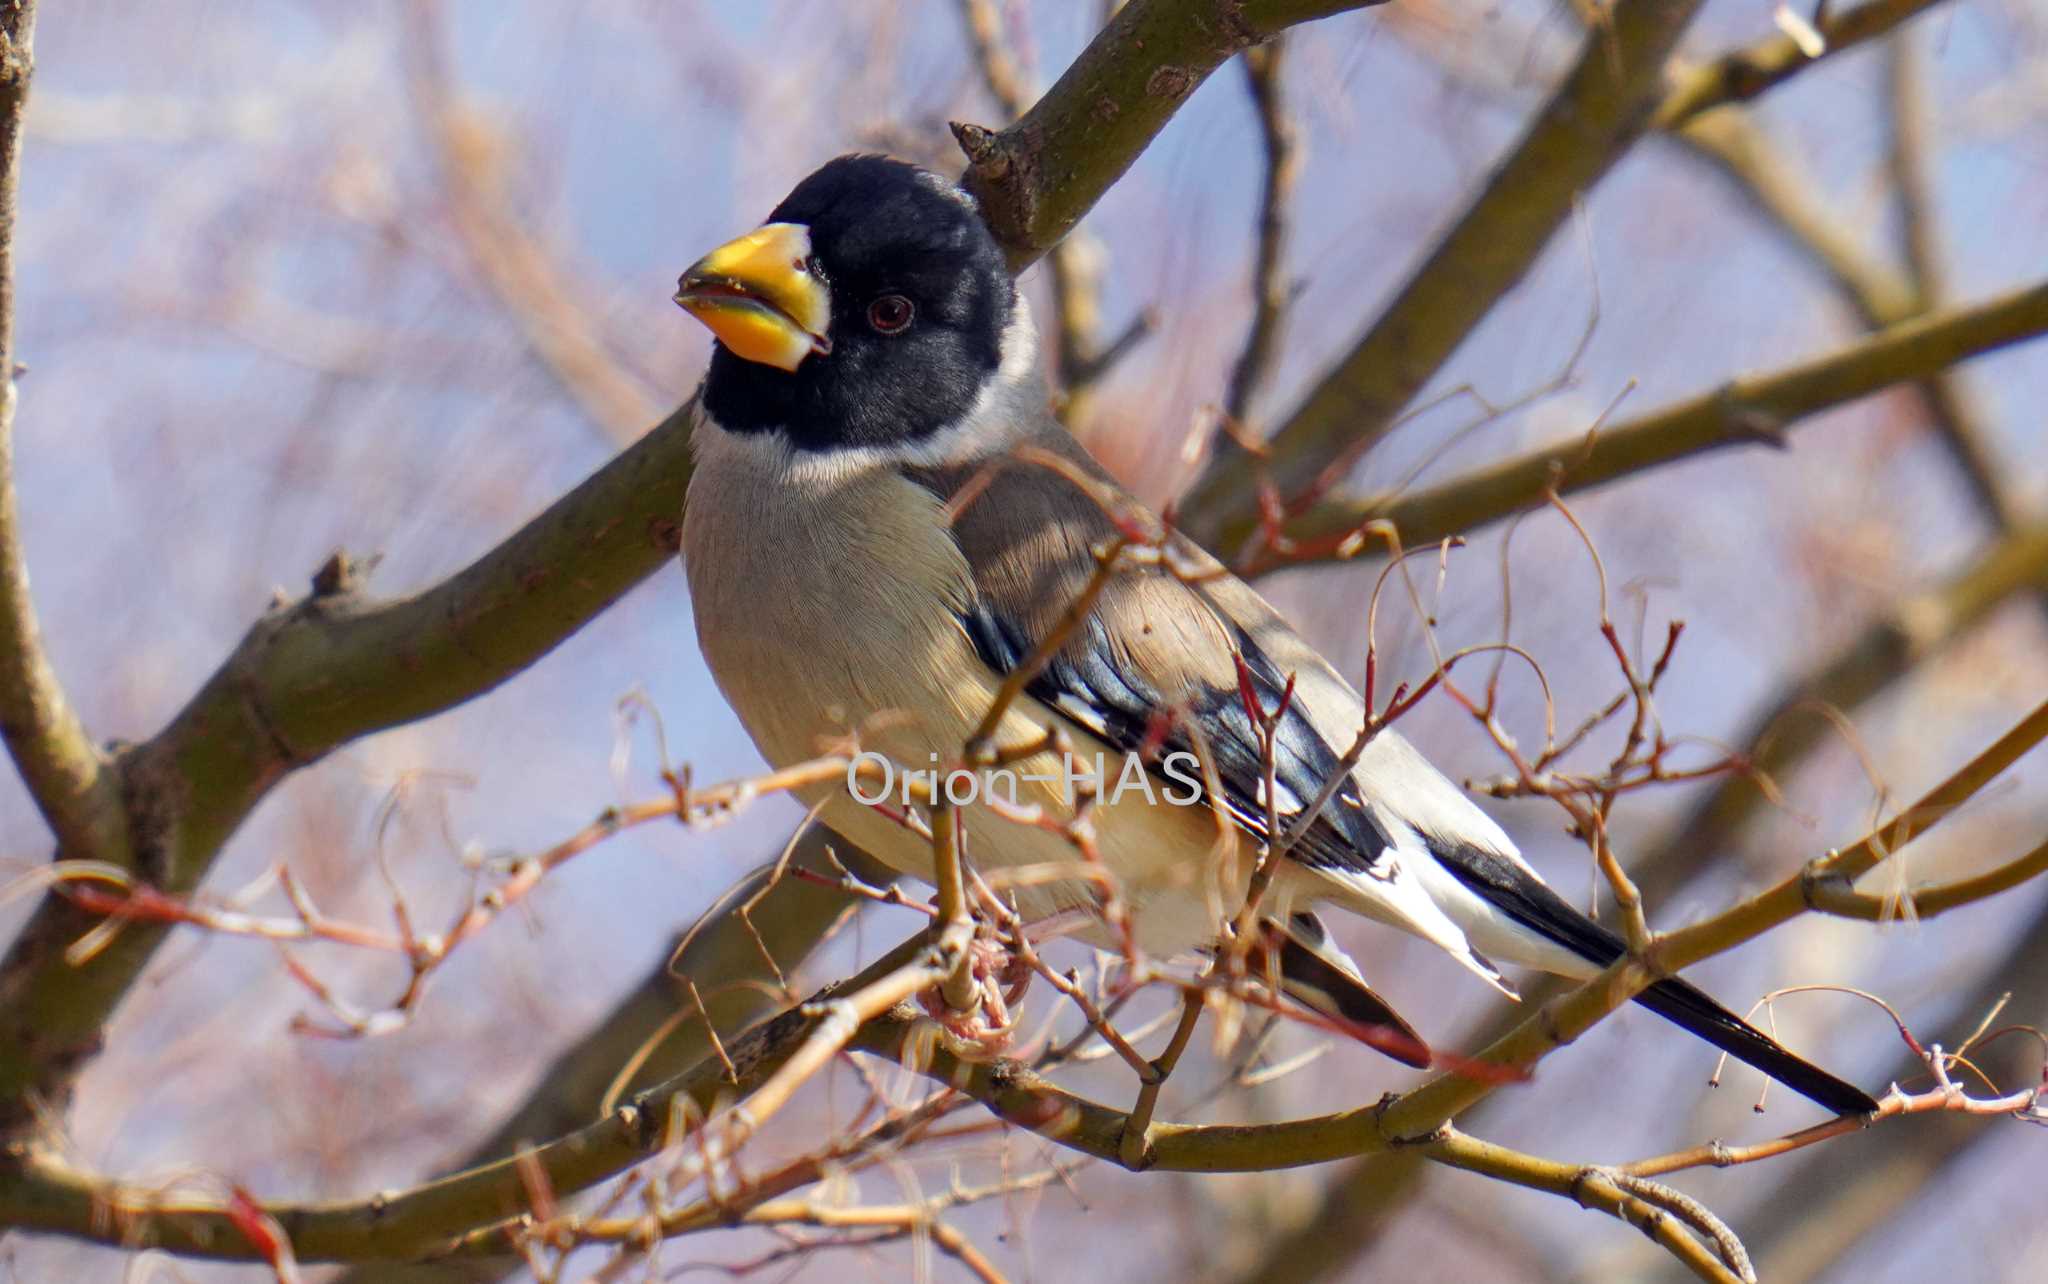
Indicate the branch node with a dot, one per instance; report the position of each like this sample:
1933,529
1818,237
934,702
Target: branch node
628,1117
1817,881
983,148
1553,1033
1398,1141
341,574
1753,423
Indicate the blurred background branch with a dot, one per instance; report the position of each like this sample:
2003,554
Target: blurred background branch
1596,113
63,769
1272,291
1037,177
1878,294
1075,266
1742,74
1750,410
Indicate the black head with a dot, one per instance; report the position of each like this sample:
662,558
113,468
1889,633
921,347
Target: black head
882,333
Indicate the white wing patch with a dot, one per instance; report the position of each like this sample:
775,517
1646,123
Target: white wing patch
1081,711
1397,892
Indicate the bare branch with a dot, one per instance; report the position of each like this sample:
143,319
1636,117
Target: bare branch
59,763
1958,422
1838,897
1731,141
1945,1096
1592,119
313,675
44,1194
1754,409
999,71
1879,294
1742,74
1365,1194
1037,178
865,1012
790,917
1074,266
1271,289
1857,1193
1606,1190
1791,897
1788,727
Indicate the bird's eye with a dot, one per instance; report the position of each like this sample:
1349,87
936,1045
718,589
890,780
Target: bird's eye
890,314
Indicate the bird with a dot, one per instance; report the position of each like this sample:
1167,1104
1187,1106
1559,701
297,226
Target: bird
871,552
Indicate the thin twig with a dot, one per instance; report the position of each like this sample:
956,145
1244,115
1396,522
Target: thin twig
1584,128
1075,265
1133,1144
1742,74
1271,289
1640,1203
76,788
1834,895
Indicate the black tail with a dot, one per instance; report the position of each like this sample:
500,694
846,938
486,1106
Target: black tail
1688,1007
1509,888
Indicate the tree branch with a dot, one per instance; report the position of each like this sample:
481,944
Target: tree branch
1903,636
1793,896
1597,1188
1414,1117
313,675
1271,289
334,666
1037,178
558,329
1755,409
1840,898
59,763
1600,109
1366,1194
39,1192
727,955
1876,292
1074,266
1742,74
1732,143
1856,1194
868,1012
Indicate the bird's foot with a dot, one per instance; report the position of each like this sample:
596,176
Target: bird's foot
1000,979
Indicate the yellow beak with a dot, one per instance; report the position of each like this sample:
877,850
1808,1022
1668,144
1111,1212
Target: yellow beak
758,295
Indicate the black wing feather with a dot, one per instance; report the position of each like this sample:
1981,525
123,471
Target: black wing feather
1122,707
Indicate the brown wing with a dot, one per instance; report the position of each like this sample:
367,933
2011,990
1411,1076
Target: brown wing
1156,654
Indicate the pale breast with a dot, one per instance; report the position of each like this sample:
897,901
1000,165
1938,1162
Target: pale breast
821,604
827,604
